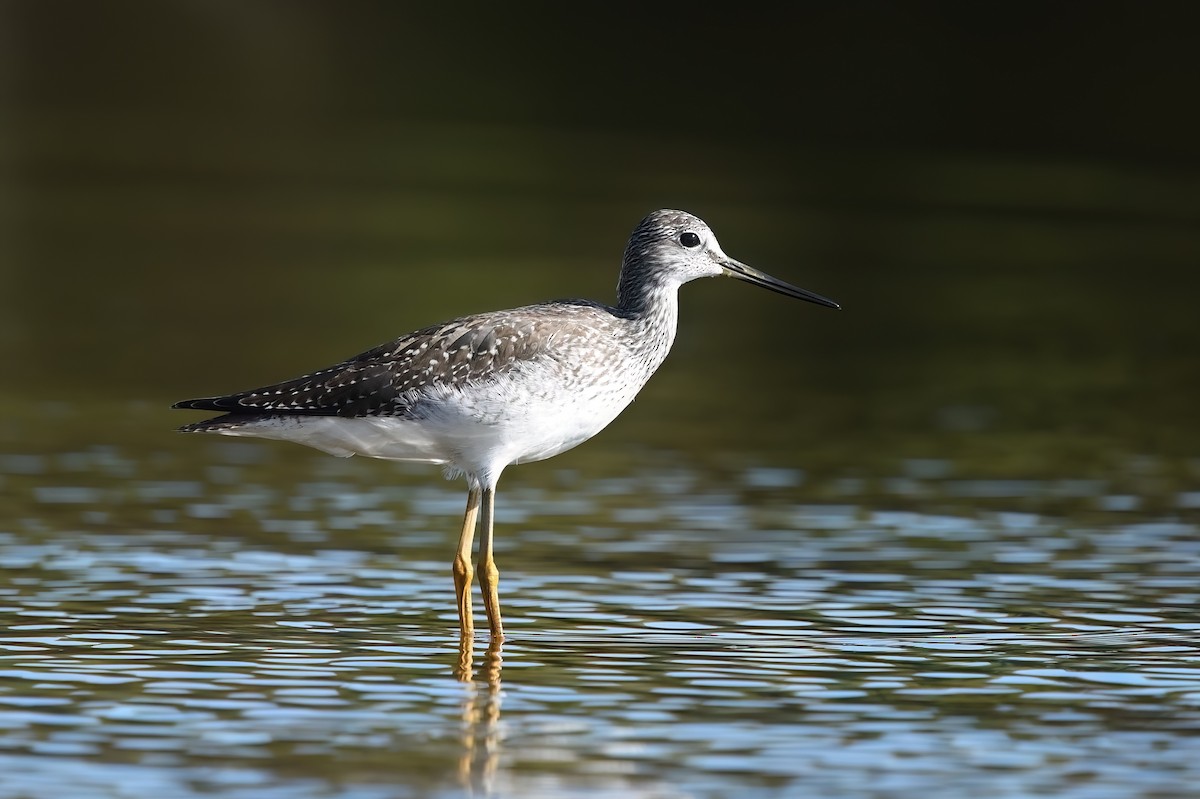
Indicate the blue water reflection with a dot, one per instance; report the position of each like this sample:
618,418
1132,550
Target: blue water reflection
241,632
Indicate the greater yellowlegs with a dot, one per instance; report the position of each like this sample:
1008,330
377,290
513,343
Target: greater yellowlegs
479,393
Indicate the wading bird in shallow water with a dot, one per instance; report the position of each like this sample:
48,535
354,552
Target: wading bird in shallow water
481,392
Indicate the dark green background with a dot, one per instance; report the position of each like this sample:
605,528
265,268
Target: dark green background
203,196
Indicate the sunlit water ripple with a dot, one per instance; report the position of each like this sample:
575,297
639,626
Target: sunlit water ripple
671,635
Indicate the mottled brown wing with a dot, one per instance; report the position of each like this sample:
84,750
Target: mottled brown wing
388,379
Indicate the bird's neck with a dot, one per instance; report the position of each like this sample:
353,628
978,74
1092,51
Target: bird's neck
653,311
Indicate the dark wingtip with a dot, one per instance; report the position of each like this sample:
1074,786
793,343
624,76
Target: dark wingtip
201,404
216,423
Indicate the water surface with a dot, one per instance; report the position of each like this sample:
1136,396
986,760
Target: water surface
201,618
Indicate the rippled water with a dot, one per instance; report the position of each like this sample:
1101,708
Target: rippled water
283,625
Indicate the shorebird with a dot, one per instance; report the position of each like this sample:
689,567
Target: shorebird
479,393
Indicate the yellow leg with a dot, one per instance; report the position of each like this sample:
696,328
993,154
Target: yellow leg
489,575
462,564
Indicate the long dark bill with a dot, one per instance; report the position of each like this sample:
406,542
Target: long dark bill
751,275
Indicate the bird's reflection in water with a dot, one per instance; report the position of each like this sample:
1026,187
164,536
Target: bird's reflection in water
480,715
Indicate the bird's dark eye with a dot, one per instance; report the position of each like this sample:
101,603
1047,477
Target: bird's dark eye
689,239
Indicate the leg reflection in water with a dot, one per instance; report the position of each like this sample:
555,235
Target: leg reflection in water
480,715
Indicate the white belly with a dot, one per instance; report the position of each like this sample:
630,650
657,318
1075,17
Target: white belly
479,431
